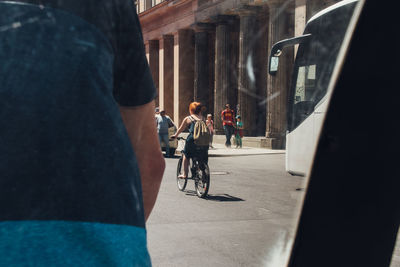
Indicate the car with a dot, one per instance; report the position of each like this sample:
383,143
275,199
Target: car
173,143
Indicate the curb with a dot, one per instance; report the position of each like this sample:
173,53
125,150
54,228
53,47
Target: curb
240,155
178,153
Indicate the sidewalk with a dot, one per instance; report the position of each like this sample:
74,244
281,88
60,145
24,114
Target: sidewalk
220,150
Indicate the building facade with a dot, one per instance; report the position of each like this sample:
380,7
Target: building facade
216,52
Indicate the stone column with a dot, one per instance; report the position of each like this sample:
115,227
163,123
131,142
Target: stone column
222,69
201,66
299,18
277,86
141,6
211,71
247,91
166,80
234,64
183,73
153,59
147,4
261,70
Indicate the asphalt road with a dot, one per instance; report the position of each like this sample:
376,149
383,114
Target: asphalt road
248,219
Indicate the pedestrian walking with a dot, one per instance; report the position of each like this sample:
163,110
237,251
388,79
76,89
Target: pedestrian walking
164,122
210,125
239,132
228,122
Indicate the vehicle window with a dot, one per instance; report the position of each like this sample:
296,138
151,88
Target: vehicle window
304,97
305,83
314,64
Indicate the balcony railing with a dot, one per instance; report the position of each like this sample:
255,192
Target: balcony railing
143,5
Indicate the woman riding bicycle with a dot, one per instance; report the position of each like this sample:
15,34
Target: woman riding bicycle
190,149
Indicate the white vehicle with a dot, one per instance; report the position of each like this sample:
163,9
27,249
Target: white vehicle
173,143
308,94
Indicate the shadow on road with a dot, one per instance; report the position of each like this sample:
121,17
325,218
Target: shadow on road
221,198
172,157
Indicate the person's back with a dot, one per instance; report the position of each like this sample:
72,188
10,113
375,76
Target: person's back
199,150
227,115
70,190
163,123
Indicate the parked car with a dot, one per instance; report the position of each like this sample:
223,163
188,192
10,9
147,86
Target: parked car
173,144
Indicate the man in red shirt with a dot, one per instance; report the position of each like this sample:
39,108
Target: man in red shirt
228,121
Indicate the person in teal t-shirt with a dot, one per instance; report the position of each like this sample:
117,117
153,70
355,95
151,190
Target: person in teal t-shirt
239,131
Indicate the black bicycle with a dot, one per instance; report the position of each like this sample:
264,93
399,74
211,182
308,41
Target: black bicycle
199,172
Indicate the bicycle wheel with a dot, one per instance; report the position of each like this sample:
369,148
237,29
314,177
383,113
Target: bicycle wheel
202,181
179,181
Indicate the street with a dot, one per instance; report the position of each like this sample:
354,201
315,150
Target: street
249,215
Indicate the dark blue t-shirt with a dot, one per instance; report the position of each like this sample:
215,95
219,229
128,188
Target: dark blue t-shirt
70,191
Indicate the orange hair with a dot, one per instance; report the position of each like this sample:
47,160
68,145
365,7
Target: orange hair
194,108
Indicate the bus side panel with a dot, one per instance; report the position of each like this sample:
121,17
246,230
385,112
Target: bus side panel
319,116
298,161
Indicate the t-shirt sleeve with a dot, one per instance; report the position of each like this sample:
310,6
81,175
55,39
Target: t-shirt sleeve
133,83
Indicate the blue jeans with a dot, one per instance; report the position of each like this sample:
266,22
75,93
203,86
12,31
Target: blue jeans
229,130
164,138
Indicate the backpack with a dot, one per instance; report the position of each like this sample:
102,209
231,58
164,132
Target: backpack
201,134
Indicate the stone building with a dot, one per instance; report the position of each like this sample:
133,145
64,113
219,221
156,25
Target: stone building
216,52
